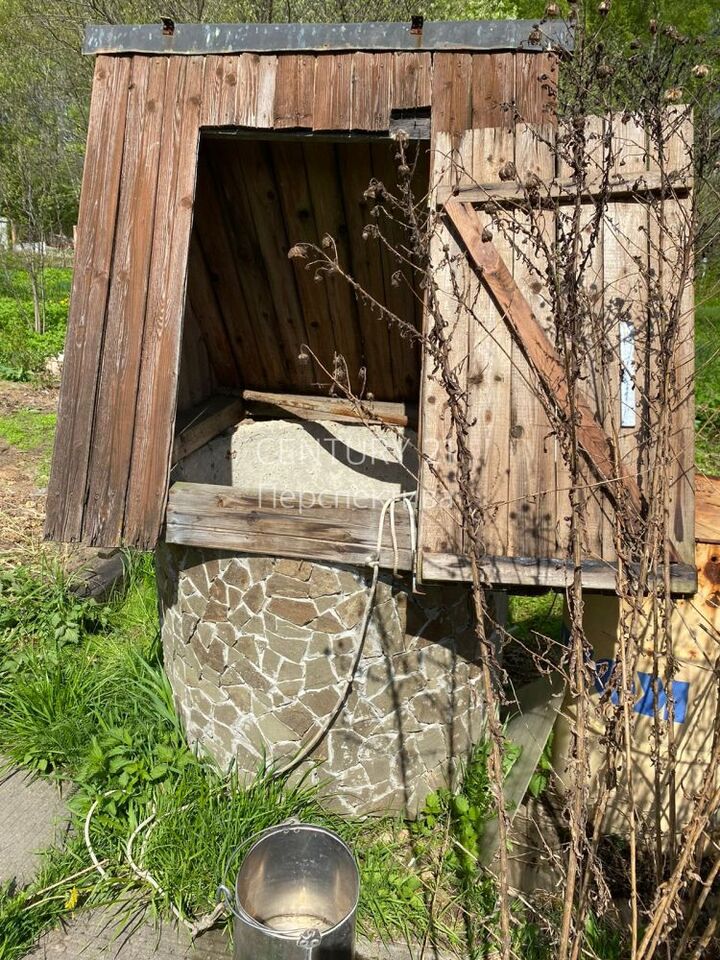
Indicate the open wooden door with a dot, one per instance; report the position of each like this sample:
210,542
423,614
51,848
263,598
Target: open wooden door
489,137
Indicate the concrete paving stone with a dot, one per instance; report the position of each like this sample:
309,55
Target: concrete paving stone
34,816
101,935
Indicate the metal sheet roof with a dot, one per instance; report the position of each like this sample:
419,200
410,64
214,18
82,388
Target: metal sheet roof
200,38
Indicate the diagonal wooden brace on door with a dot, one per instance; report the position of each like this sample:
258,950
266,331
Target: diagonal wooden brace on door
542,356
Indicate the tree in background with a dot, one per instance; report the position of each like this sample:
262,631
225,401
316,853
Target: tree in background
45,81
628,18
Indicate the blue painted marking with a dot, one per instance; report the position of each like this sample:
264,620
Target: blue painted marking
646,703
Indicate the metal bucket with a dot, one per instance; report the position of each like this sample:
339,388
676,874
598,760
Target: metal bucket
296,896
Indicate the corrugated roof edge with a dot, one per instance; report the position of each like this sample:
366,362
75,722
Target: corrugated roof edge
200,38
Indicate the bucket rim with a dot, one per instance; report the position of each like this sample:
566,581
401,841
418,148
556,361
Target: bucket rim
242,913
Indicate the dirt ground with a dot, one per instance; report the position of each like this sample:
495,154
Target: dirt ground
22,501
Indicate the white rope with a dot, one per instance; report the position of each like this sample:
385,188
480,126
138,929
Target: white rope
196,927
96,863
374,562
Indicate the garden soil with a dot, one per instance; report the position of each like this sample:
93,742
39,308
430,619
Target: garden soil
22,501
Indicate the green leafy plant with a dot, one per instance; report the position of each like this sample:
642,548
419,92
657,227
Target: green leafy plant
543,772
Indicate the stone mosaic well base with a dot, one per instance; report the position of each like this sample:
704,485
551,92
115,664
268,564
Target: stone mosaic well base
258,651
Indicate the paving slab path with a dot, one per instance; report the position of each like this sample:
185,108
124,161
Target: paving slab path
100,936
34,816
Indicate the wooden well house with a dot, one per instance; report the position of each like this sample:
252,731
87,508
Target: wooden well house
212,150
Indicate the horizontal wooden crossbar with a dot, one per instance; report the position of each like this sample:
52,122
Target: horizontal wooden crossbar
511,193
208,419
545,573
308,526
298,406
304,525
204,422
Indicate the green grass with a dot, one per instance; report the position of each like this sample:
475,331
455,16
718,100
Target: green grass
31,432
83,698
533,615
707,387
28,430
22,351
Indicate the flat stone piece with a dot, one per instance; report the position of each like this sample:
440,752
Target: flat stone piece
299,612
279,585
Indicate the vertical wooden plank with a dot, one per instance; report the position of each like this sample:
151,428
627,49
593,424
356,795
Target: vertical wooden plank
116,400
599,513
371,78
536,91
329,212
251,102
93,256
411,80
294,91
208,315
254,181
400,292
286,92
626,300
362,91
532,458
600,522
489,340
451,154
440,528
214,256
212,91
332,109
291,177
197,378
157,394
233,92
232,254
355,160
452,94
671,231
267,78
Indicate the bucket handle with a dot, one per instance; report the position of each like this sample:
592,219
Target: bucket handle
307,940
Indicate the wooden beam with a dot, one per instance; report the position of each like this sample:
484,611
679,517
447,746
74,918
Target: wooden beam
279,405
204,422
329,528
707,509
554,192
545,573
305,525
542,355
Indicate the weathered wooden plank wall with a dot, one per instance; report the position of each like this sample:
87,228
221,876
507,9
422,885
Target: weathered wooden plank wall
120,388
269,196
518,471
93,258
487,113
162,238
